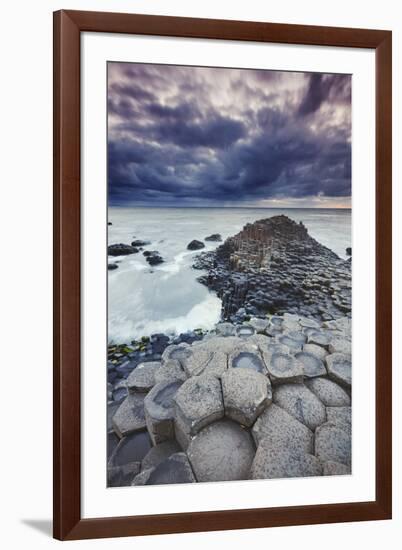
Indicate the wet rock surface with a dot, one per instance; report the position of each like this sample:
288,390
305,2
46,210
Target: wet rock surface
121,249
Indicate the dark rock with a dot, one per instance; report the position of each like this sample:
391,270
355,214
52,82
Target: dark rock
175,469
215,237
112,266
121,250
109,223
153,257
139,242
349,251
195,245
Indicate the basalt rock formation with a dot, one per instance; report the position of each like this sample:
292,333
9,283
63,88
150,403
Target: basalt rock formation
275,266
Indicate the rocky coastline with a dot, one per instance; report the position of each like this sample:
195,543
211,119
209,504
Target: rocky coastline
265,394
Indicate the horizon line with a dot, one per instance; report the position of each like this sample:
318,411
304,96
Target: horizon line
238,207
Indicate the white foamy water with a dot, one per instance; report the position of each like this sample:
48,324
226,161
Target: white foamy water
143,300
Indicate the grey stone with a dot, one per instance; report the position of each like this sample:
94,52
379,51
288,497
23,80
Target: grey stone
341,417
283,430
284,368
197,403
315,350
170,370
246,393
176,352
174,469
262,342
130,450
195,362
301,403
339,368
332,444
328,392
111,411
312,366
309,323
297,335
227,344
222,451
291,343
278,462
246,360
259,325
225,329
112,442
130,416
122,476
159,410
159,453
340,345
217,365
332,468
142,377
319,338
245,330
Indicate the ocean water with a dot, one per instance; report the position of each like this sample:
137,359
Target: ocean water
143,300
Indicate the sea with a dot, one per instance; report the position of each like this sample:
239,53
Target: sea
143,300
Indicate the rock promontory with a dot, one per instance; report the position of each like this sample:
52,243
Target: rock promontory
274,266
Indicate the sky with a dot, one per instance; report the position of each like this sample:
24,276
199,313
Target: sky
200,136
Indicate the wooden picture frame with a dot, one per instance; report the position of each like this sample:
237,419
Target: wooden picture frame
68,26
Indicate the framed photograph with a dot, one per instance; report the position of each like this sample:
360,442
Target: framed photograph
222,267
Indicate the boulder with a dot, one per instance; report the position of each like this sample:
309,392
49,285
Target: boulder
332,444
222,451
139,242
130,416
284,368
159,410
280,462
176,352
246,393
328,392
312,365
339,368
121,250
195,245
283,430
198,402
301,403
153,257
142,378
195,362
112,266
348,251
215,237
174,469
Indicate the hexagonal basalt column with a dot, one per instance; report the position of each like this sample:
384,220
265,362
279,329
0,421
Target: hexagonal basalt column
339,368
301,403
159,410
246,393
247,360
142,378
312,365
198,403
284,368
130,416
223,451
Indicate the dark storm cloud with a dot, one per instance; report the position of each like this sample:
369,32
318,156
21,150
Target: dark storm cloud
201,136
